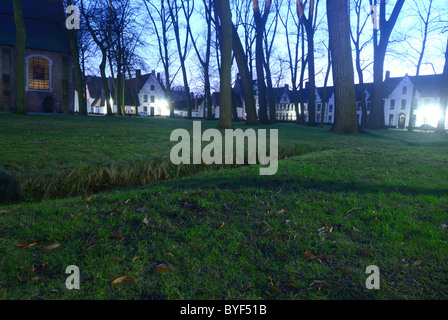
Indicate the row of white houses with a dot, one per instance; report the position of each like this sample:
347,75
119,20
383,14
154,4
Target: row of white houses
146,94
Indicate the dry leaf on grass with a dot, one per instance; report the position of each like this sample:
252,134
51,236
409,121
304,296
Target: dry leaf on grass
50,247
164,267
364,252
121,279
115,236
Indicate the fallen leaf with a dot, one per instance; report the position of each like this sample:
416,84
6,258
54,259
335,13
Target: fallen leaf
22,245
164,267
282,211
50,247
135,259
127,201
7,211
221,226
169,255
364,252
344,271
121,279
268,293
143,209
115,236
145,220
309,255
277,290
293,285
36,279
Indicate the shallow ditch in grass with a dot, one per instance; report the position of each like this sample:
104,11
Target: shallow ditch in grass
94,178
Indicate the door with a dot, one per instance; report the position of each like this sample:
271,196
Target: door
402,121
48,104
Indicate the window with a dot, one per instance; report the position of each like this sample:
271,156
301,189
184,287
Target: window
391,119
153,99
329,119
331,108
403,104
145,109
145,98
38,73
319,106
392,104
427,102
152,88
405,90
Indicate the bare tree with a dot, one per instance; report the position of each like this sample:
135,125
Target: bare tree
293,59
309,24
443,95
97,17
425,20
343,74
359,46
269,37
204,59
222,8
162,24
324,96
381,36
260,25
187,8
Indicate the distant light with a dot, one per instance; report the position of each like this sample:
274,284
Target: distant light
429,115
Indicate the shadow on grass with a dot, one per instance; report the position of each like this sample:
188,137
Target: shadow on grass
259,182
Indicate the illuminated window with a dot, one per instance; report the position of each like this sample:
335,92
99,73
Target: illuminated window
38,74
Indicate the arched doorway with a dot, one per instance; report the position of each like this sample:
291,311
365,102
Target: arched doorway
401,121
48,104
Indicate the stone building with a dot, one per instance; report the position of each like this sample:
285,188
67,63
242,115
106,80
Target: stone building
49,85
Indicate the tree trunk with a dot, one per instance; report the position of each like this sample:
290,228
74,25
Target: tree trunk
259,62
343,73
376,119
246,79
443,96
324,98
19,59
79,83
311,77
225,15
105,85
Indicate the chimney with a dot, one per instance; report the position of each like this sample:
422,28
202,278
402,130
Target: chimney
138,73
387,75
158,76
287,87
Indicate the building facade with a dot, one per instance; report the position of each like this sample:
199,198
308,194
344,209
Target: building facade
49,85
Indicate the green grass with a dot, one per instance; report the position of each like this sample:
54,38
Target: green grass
308,232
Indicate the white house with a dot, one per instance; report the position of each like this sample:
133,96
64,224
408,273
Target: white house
398,99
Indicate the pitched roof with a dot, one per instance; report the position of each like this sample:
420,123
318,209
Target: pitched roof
44,24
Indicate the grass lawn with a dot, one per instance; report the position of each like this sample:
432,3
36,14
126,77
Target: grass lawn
338,204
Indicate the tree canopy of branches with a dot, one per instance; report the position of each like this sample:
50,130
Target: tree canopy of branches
381,38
